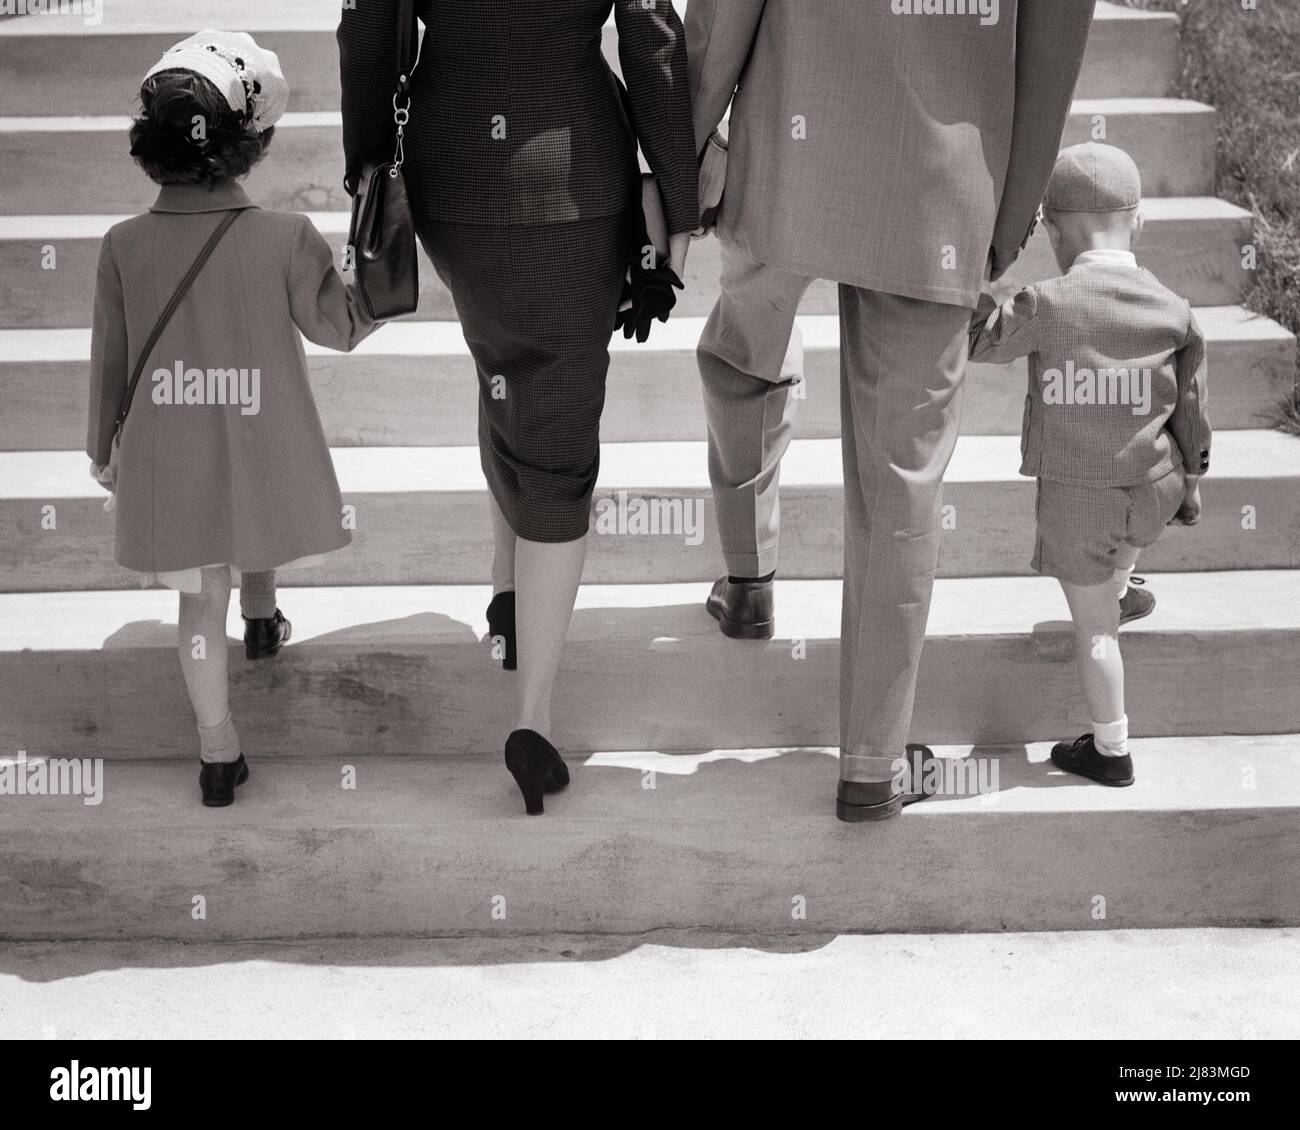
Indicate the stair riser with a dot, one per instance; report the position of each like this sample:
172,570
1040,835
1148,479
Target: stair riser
681,687
101,74
1199,259
1175,152
445,538
368,400
47,172
439,879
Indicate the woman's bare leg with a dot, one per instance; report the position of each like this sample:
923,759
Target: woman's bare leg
547,578
503,549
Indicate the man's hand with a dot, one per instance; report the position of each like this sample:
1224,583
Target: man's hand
1190,511
1000,263
713,182
102,473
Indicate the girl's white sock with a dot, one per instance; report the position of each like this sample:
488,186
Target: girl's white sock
1111,738
257,595
219,742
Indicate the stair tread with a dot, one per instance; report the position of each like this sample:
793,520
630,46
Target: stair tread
1157,209
367,617
442,338
667,464
308,119
1129,104
448,793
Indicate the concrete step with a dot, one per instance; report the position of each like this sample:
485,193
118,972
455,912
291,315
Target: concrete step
43,159
408,671
421,516
413,384
1130,54
47,263
739,841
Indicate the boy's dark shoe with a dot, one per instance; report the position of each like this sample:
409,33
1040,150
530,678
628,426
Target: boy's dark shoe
264,638
217,781
1135,603
1080,756
863,802
744,610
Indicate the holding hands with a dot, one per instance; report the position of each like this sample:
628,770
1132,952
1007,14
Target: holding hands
656,263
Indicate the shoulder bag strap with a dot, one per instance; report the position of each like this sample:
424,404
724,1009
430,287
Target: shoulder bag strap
169,310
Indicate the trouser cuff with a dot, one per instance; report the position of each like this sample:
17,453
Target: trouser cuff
752,564
869,768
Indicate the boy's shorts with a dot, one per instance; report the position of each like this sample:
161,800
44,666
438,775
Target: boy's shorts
1081,528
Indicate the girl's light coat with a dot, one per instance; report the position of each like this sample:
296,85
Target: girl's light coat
206,483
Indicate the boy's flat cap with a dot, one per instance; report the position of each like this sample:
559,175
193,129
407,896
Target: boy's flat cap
1094,178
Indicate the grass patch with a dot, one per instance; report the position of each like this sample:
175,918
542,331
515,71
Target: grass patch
1246,65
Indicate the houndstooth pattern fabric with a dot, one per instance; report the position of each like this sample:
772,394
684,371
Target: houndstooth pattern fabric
515,115
1092,319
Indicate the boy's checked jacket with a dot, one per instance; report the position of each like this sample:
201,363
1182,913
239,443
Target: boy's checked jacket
1104,315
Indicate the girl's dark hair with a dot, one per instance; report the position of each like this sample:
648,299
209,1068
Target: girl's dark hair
162,136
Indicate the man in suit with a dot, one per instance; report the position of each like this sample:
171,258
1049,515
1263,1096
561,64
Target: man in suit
903,154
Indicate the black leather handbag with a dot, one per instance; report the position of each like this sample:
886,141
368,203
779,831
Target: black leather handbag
382,234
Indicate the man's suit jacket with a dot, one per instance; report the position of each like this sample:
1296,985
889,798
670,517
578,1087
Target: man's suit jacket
892,151
515,116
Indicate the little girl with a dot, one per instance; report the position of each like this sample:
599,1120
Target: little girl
221,468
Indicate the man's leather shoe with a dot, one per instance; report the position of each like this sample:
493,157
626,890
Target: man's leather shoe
217,781
1080,756
264,638
744,611
862,802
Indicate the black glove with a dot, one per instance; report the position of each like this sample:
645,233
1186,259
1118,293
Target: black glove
651,293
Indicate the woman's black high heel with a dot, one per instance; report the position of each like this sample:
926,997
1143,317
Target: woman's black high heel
501,625
536,766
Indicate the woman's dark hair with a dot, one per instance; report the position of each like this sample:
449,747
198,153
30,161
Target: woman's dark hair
163,140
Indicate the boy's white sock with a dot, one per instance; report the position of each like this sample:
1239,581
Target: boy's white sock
1122,578
1111,738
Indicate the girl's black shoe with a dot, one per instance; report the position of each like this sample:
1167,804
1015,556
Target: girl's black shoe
264,638
217,781
501,626
536,766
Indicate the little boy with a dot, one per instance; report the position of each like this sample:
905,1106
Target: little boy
1115,425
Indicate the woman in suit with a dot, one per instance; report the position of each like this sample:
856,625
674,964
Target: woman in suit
524,185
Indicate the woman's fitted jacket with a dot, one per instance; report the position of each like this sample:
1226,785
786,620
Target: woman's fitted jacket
515,116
